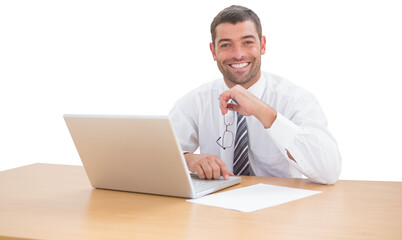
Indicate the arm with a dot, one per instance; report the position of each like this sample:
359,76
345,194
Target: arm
186,129
249,105
304,141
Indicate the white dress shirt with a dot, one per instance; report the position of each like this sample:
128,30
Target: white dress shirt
300,128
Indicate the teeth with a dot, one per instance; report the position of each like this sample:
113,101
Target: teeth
240,65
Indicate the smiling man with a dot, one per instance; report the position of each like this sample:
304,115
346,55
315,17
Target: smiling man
252,122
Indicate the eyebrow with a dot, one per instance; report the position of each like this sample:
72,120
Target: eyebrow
228,39
249,36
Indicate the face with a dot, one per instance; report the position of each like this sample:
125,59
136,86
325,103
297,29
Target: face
238,51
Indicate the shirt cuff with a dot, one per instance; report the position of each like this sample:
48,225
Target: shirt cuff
283,131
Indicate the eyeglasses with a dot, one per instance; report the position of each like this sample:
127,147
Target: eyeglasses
227,138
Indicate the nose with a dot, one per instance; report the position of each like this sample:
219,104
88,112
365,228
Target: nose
238,52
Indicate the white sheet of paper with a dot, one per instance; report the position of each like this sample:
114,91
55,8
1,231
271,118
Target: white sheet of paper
254,197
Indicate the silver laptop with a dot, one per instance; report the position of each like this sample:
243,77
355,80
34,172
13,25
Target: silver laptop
136,154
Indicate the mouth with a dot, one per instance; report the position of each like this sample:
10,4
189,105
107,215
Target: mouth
239,65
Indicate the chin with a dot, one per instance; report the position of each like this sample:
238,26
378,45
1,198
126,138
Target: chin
239,82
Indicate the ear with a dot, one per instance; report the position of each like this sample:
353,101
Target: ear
212,48
263,45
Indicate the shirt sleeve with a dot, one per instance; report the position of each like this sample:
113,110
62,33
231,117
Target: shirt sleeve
307,139
185,126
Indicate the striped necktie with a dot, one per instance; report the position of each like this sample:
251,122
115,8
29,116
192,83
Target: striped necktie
241,165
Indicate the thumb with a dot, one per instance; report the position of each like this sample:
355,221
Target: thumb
233,106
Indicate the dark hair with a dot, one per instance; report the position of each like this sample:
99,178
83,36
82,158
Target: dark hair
235,14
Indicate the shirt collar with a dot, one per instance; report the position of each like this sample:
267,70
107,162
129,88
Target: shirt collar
257,89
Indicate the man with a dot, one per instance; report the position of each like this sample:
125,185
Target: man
252,122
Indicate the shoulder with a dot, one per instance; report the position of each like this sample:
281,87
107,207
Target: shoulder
290,100
283,88
201,94
199,101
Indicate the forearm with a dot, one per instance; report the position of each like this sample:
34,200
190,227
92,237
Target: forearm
311,150
317,157
265,114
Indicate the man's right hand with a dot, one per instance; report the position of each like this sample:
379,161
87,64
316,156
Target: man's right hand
207,166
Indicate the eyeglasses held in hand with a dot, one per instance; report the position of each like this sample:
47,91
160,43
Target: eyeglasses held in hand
226,141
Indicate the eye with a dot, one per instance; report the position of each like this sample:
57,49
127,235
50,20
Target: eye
225,45
249,42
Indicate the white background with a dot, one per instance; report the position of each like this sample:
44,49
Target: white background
139,57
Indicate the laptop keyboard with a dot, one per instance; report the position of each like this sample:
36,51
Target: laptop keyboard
204,183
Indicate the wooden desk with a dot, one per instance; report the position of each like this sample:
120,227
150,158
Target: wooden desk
46,201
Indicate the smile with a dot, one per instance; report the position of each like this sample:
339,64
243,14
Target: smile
239,65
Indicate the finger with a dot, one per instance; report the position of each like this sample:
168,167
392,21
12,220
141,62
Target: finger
224,170
200,172
224,99
226,95
216,170
233,106
223,106
207,169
